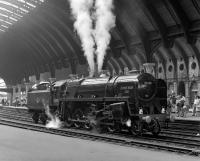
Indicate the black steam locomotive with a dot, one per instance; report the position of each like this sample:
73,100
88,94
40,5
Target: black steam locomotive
136,102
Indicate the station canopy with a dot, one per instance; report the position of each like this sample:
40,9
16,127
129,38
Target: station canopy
38,36
12,11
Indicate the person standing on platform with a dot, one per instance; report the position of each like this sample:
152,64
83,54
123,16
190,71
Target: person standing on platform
180,103
195,105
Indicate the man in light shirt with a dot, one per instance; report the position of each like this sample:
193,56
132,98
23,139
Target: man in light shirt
196,104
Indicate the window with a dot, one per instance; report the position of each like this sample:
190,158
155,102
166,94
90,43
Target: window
170,68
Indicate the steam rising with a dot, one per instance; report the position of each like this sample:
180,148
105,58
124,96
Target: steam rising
105,20
83,26
86,12
54,122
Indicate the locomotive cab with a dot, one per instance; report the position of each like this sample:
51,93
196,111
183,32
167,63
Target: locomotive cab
58,91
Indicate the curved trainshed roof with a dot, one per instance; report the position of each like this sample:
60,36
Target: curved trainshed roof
38,35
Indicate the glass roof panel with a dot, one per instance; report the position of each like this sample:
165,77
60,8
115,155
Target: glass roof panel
13,10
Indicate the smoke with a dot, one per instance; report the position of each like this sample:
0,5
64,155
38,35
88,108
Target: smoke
54,122
105,20
83,26
86,12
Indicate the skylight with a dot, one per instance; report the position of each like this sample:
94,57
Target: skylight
13,10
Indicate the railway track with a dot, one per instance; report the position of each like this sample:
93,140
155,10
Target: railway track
187,144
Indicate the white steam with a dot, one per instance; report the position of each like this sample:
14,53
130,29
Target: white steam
54,121
83,25
105,20
86,13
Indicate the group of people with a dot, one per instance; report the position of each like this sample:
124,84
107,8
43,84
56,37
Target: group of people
4,102
19,102
177,104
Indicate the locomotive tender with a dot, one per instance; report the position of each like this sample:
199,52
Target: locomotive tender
136,102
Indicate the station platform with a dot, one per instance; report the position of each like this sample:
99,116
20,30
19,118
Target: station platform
22,145
17,107
188,117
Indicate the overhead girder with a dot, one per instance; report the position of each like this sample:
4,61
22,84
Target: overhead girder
183,53
72,53
161,60
22,46
44,51
16,16
127,59
196,5
47,35
129,46
50,37
140,30
125,63
33,53
125,43
122,34
171,56
8,19
182,17
135,24
116,58
157,20
16,58
120,64
137,61
196,52
65,25
54,30
43,42
115,65
40,61
11,8
111,65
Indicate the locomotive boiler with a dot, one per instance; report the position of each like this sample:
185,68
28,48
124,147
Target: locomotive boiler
136,102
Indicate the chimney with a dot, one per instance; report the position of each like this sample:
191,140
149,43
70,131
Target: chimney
149,68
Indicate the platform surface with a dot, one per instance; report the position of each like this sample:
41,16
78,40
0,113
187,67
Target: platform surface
17,107
25,145
188,117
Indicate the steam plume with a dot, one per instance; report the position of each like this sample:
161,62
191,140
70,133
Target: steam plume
83,26
54,122
105,20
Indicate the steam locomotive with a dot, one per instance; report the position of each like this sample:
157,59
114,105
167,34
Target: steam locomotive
136,102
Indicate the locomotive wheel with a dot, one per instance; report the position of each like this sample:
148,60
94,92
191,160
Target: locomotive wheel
78,115
87,126
155,127
134,130
111,128
35,117
43,118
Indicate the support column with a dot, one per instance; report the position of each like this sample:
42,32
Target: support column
175,87
187,91
198,82
14,94
19,91
27,87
